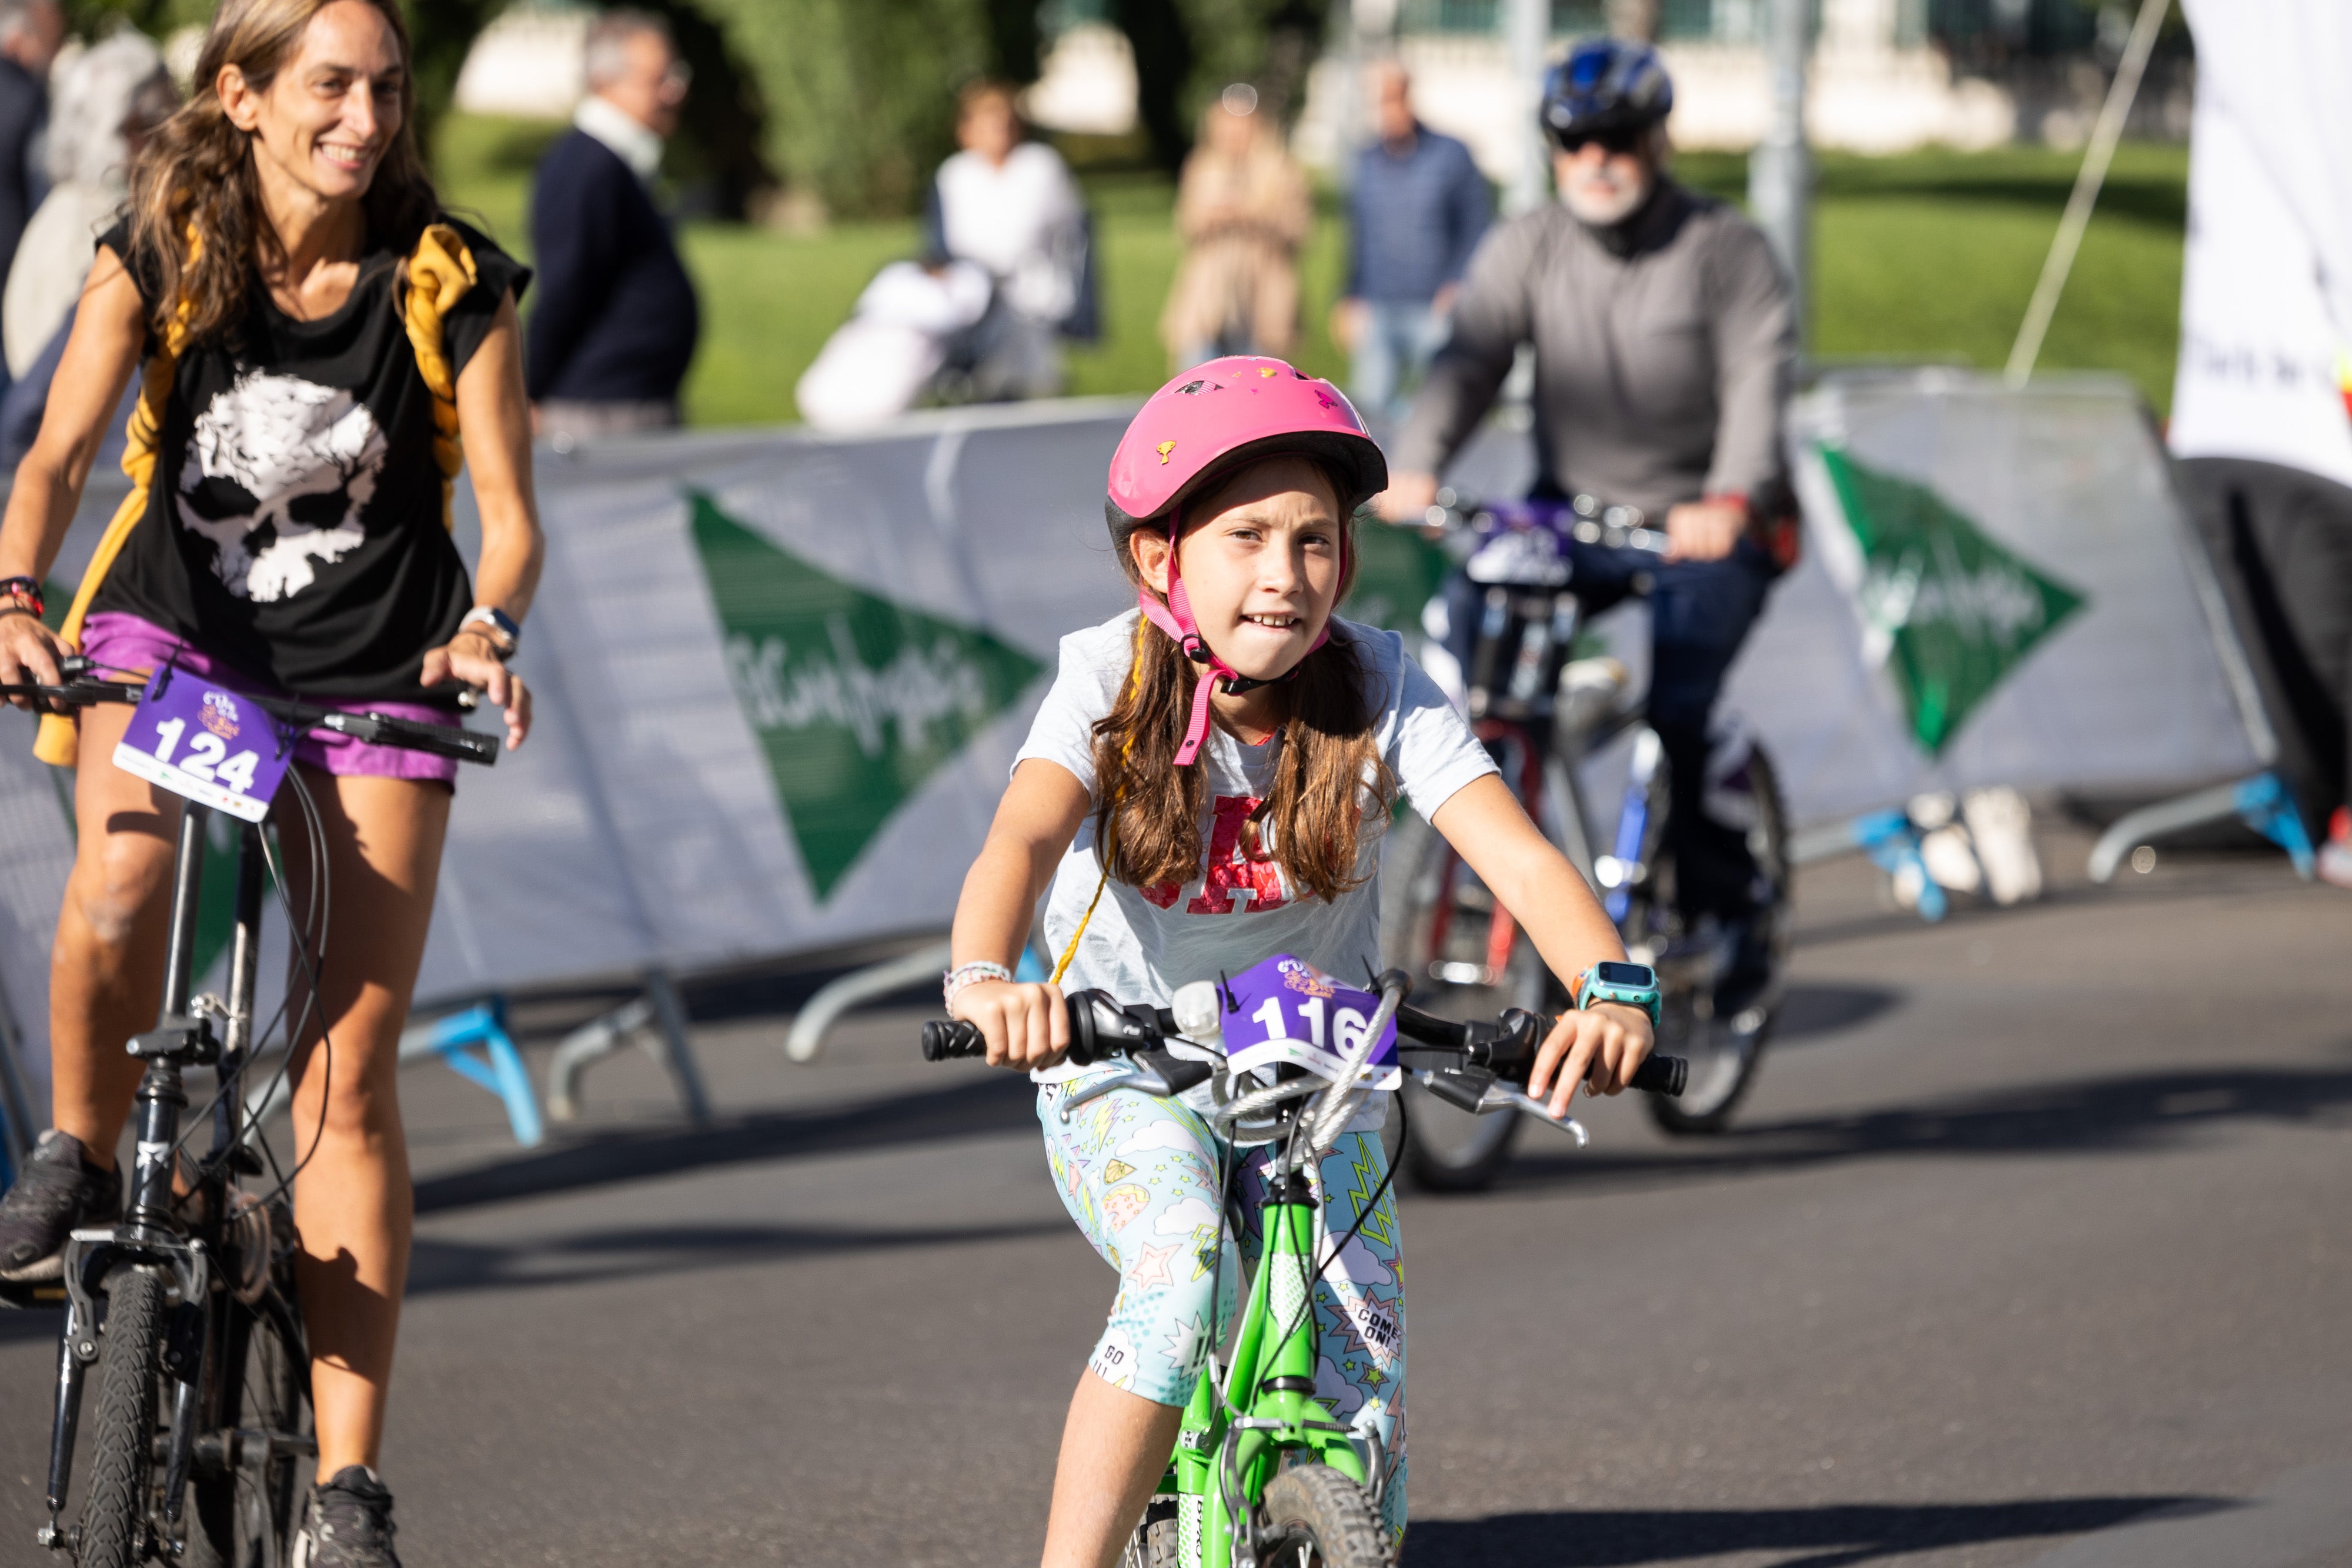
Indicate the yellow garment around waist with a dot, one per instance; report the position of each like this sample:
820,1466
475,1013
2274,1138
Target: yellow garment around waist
440,271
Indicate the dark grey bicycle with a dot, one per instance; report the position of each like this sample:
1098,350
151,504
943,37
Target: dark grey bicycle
186,1307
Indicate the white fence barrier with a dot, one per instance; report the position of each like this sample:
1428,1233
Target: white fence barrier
780,676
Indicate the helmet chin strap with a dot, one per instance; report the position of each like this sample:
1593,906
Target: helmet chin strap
1176,619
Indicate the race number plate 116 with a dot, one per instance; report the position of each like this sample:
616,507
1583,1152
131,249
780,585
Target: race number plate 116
211,745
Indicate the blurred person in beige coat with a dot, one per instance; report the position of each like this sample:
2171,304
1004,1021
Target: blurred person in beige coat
1243,210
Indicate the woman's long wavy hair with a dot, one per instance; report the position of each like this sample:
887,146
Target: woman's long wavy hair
1329,772
195,180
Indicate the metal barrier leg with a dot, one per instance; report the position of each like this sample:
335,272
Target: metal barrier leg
675,1049
806,1041
590,1042
2262,803
656,1020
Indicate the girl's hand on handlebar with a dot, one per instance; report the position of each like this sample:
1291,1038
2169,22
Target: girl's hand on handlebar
29,656
470,656
1026,1025
1601,1047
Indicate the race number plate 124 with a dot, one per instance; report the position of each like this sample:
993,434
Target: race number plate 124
211,745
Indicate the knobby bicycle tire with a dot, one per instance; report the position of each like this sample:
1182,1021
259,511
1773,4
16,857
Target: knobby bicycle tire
1718,1084
1313,1517
1154,1542
244,1516
114,1518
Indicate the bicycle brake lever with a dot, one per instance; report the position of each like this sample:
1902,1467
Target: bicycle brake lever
1480,1092
1154,1072
1508,1097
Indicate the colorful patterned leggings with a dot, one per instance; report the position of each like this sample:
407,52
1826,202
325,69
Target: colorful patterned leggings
1142,1177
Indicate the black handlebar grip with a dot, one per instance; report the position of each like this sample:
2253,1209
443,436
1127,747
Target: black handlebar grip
944,1037
1663,1075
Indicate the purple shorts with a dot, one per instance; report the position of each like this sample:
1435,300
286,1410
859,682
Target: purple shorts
125,643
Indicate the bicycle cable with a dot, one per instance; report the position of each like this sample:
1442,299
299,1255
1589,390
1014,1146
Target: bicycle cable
311,965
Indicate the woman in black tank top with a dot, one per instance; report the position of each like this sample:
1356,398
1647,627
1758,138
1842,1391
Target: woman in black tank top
292,537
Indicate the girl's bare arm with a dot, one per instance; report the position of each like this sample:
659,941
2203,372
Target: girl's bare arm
1485,823
1035,823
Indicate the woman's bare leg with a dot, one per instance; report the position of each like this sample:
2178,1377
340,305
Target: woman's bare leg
353,1203
106,969
1115,1448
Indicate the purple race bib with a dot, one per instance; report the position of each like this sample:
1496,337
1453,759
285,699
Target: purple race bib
207,743
1290,1011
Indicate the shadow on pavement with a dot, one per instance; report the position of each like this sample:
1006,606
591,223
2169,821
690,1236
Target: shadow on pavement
1809,1012
2097,1116
999,1102
1833,1535
439,1265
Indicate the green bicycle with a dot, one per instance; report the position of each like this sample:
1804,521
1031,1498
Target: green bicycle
1261,1474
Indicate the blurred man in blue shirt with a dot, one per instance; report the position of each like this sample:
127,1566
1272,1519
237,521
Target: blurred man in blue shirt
1419,208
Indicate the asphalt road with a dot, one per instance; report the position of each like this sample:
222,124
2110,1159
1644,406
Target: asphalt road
2030,1249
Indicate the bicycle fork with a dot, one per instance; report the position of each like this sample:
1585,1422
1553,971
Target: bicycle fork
1232,1439
149,1233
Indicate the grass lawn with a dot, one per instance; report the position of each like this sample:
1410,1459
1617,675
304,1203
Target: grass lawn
1927,255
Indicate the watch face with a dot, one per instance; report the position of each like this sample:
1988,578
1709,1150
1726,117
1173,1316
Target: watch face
1632,976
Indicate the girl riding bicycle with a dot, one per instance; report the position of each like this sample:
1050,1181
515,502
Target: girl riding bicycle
316,334
1192,820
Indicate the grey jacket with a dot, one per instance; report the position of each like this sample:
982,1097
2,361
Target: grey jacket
1660,372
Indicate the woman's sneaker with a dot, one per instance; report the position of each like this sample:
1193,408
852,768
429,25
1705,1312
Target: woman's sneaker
59,1189
347,1524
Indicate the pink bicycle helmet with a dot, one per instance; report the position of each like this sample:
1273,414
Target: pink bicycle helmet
1202,426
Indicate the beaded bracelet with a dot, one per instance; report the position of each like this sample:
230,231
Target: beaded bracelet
953,983
24,589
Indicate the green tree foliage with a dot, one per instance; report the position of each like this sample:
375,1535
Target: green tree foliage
860,94
1187,51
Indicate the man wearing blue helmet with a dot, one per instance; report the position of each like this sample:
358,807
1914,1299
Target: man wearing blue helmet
1664,348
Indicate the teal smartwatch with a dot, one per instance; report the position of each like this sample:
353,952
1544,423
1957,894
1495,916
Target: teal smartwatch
1630,985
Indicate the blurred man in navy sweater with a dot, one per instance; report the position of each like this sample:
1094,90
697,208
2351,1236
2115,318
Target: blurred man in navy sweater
1420,207
615,323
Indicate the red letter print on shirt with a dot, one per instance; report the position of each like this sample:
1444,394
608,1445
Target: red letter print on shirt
1241,874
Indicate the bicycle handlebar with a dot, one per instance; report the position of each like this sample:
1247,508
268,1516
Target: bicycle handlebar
1100,1026
1585,519
83,690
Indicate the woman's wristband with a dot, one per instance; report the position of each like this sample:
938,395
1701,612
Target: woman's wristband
956,980
26,591
497,628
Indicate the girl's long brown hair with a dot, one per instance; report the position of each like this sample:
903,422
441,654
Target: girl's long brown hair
195,178
1329,774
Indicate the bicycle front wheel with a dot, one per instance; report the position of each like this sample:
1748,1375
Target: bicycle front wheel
1720,1016
1439,925
121,1471
1313,1517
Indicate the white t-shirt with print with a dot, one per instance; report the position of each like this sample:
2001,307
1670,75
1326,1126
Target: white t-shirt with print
1145,942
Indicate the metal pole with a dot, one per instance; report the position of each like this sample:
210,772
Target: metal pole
1527,29
2087,181
1779,172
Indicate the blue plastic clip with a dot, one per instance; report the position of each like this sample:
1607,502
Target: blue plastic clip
499,1068
1891,839
2266,806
